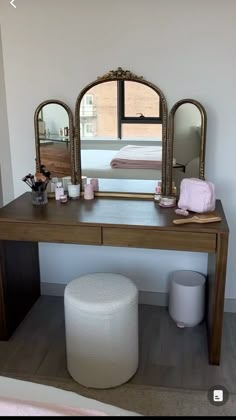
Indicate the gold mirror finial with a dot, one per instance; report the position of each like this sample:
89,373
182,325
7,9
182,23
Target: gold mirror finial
120,74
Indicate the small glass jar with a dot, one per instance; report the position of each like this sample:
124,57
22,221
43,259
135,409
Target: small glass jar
39,197
167,201
63,198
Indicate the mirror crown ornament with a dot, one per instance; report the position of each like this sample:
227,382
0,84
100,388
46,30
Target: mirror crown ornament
120,74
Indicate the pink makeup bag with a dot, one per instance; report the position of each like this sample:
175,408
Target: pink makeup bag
197,195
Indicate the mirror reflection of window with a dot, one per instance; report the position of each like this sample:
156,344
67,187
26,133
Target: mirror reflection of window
89,100
98,111
55,119
87,106
141,100
146,132
121,118
119,110
89,130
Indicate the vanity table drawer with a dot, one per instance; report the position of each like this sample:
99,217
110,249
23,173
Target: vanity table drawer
36,232
145,238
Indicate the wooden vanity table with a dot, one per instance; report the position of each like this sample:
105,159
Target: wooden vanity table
112,222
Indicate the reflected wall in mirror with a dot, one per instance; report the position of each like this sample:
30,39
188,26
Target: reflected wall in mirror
187,140
121,124
54,138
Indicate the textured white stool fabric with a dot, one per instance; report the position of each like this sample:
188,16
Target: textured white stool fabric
187,297
101,319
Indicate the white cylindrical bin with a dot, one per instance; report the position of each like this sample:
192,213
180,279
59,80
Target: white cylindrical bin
101,319
187,298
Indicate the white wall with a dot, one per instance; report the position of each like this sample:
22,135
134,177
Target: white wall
186,47
147,268
6,181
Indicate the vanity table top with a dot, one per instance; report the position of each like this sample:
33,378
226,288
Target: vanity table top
132,213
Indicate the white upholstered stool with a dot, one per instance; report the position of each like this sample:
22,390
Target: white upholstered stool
101,319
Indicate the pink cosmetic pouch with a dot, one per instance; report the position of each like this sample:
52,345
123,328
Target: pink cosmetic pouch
197,195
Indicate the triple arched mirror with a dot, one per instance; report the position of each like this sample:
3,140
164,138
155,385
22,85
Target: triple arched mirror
122,135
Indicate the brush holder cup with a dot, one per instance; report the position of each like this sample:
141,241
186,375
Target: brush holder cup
39,197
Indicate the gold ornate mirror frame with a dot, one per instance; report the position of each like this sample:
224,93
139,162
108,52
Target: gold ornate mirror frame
71,134
126,75
167,137
170,141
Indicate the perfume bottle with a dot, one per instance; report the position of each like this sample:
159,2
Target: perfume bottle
59,191
157,194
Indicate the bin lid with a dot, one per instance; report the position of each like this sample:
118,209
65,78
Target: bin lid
188,278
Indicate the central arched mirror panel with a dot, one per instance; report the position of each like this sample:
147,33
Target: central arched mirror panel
121,130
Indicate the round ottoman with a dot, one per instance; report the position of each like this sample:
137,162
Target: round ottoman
187,298
101,320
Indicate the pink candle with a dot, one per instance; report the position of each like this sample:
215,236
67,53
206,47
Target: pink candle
94,183
88,192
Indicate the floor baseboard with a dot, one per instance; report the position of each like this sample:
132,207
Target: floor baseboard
147,298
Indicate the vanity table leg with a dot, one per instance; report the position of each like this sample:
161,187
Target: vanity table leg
19,283
217,264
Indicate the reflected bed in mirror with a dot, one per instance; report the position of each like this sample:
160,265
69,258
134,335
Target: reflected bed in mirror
188,138
53,132
121,123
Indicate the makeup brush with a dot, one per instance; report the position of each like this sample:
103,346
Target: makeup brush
45,171
26,180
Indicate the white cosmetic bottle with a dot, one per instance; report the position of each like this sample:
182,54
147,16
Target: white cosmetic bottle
59,190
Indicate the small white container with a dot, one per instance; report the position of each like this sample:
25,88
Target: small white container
187,298
53,183
74,191
167,201
65,181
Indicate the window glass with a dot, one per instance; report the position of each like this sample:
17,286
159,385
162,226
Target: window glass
152,132
101,113
141,100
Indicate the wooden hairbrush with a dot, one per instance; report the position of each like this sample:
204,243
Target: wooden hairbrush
199,218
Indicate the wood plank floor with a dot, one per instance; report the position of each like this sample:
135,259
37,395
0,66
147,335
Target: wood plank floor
169,356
